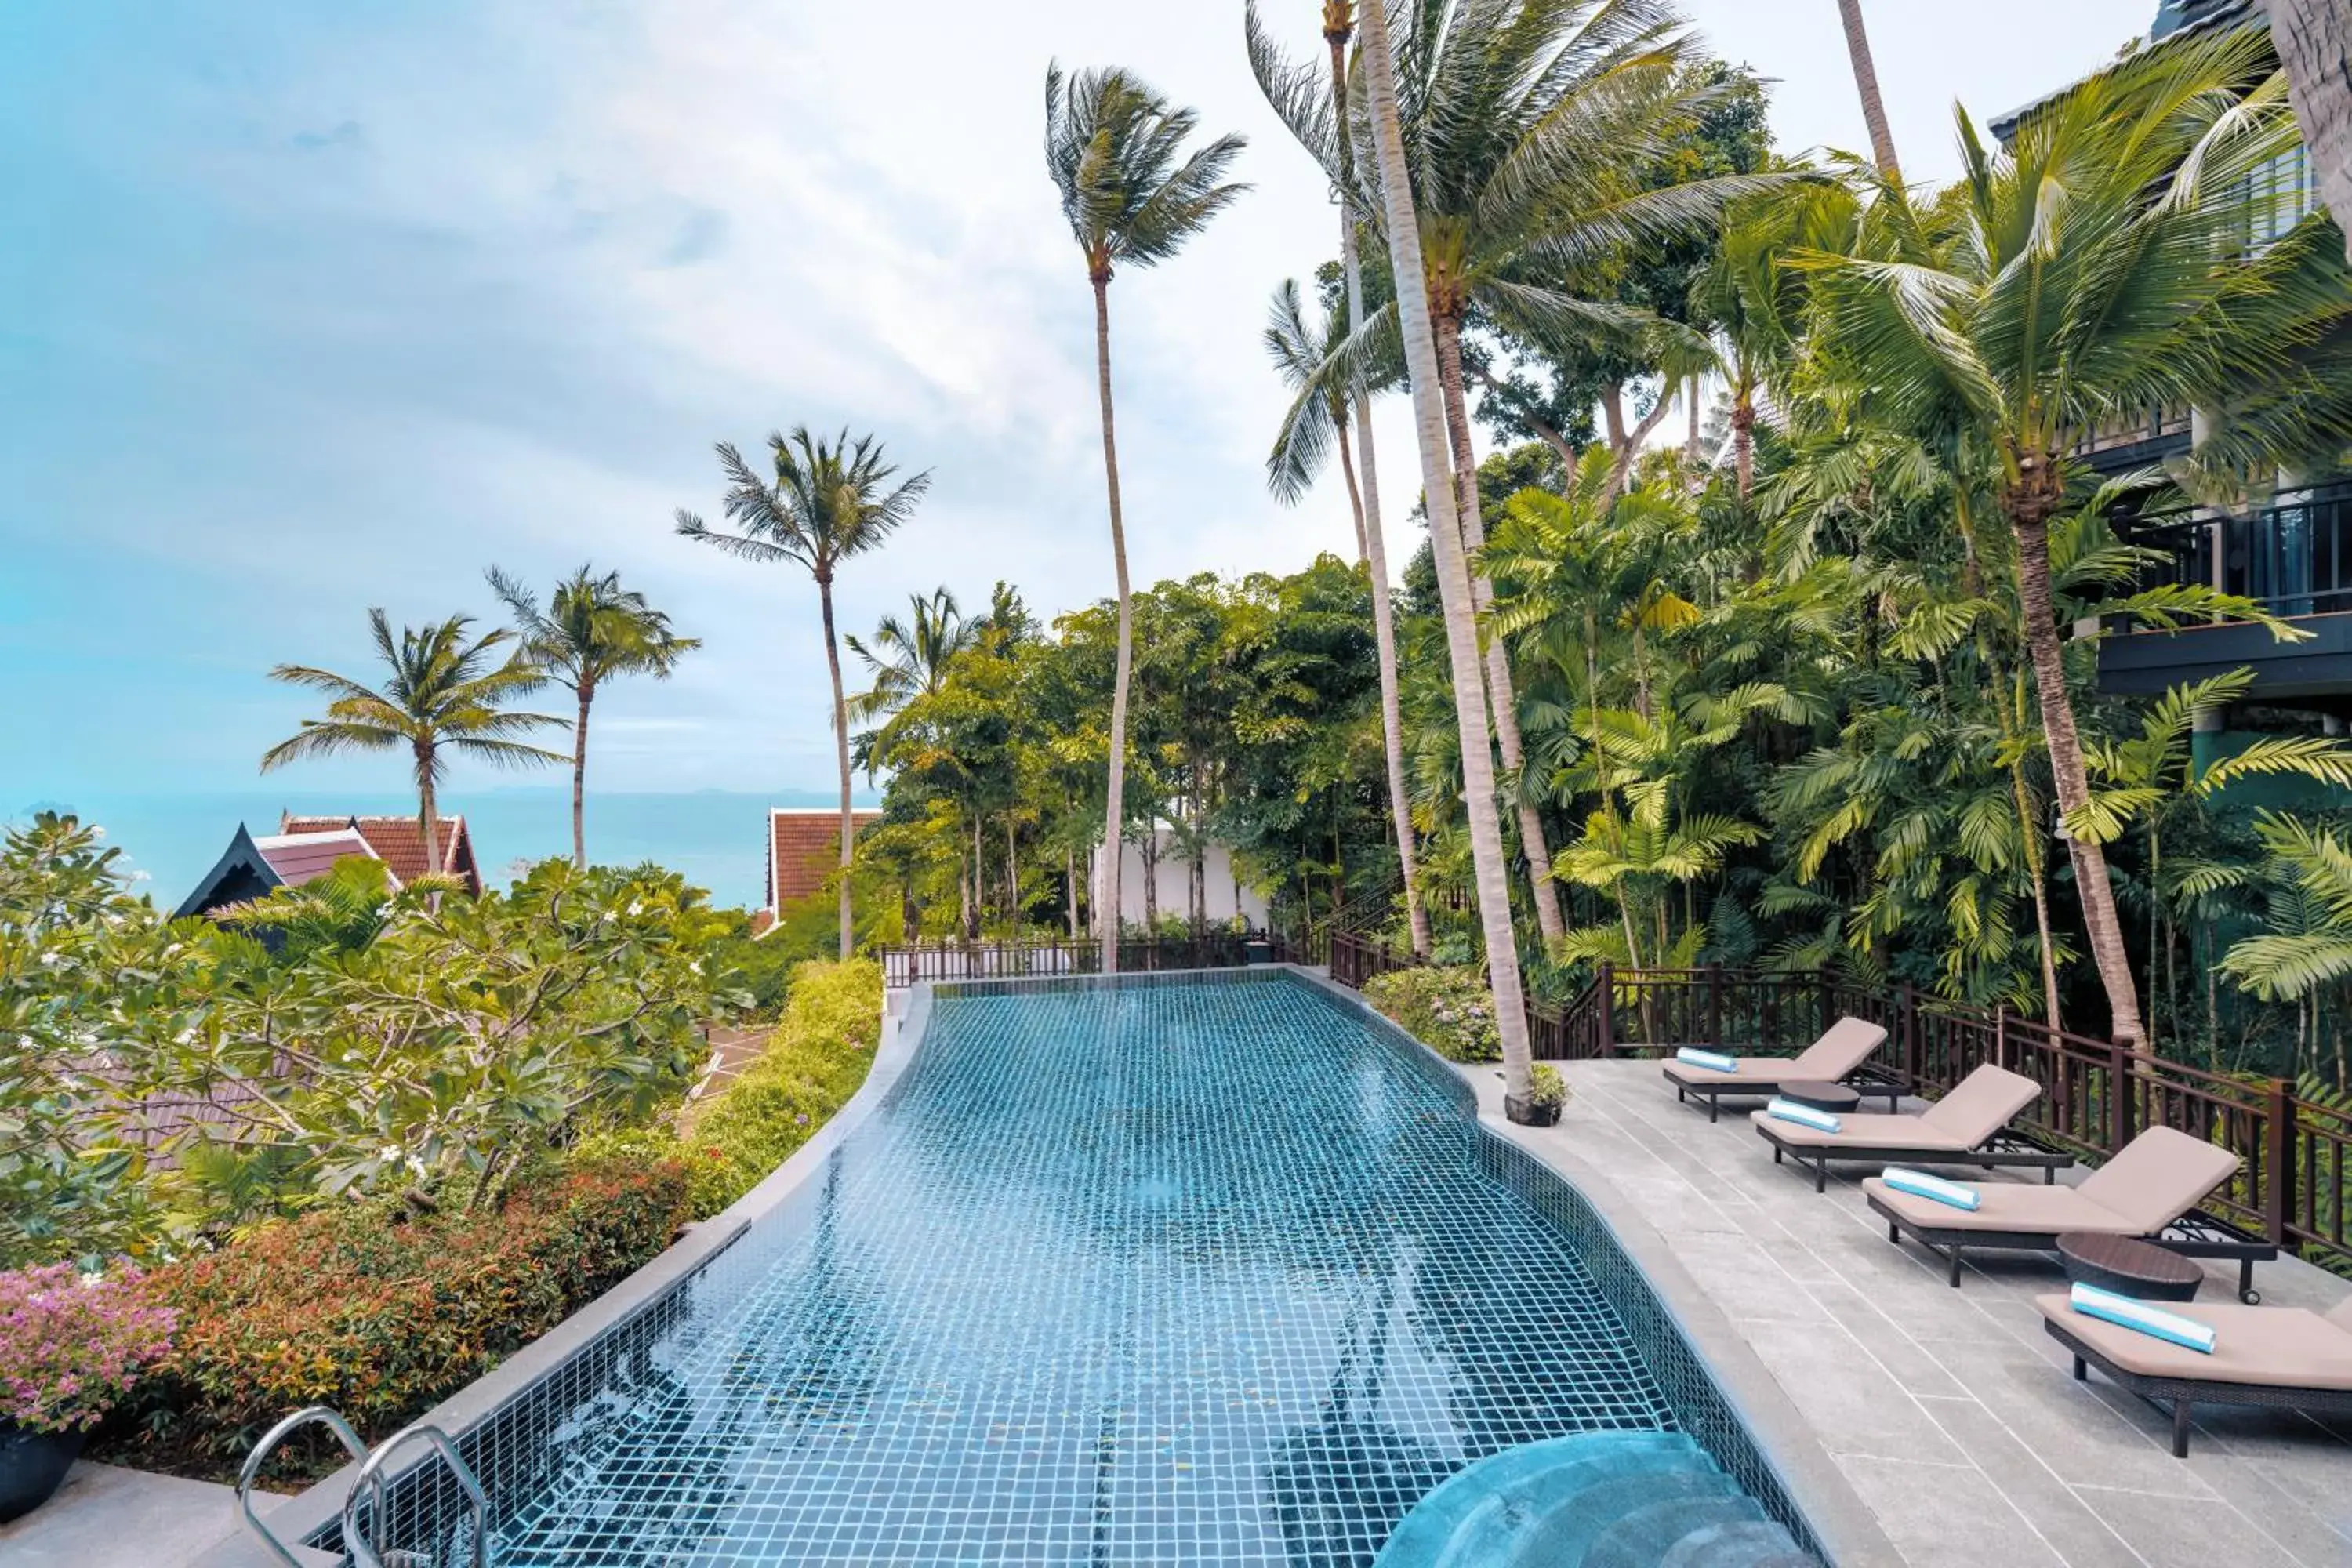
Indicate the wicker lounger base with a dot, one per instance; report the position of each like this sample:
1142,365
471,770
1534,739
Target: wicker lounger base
1714,1094
2181,1393
2192,1236
2005,1149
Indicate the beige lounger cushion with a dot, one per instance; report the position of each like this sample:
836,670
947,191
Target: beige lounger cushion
2159,1177
1846,1047
1866,1133
2273,1347
1979,1105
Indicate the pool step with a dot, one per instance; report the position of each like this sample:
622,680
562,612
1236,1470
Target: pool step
1598,1500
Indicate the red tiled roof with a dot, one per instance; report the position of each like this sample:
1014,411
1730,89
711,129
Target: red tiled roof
399,843
303,858
804,849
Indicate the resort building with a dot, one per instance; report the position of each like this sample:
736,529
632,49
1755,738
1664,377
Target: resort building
305,848
804,852
1157,877
2286,543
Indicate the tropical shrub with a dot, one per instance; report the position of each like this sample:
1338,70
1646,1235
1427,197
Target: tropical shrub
467,1036
80,959
817,1059
1546,1086
70,1345
381,1313
1449,1010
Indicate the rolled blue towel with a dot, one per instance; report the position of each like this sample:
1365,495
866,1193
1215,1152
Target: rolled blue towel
1713,1061
1803,1115
1920,1184
2126,1312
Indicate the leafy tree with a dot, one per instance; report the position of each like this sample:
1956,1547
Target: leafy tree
2083,270
1132,197
592,630
442,695
824,503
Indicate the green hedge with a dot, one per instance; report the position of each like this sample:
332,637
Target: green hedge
1452,1011
381,1315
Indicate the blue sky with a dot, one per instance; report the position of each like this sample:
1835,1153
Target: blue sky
309,307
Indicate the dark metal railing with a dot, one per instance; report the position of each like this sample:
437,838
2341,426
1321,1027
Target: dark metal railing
906,965
2293,557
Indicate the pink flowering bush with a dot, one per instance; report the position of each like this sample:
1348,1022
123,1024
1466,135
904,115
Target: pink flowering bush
70,1347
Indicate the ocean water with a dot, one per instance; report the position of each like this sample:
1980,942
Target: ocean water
713,838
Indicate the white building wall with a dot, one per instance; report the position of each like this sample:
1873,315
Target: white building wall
1175,879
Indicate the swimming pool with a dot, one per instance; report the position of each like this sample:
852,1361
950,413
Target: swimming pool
1210,1272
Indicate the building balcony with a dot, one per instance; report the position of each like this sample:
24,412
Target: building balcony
2295,559
2137,440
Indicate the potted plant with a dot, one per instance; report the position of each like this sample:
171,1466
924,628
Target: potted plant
1547,1092
70,1346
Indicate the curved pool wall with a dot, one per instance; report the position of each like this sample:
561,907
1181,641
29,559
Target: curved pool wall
1024,1306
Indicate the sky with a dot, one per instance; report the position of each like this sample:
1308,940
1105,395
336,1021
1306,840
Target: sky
307,308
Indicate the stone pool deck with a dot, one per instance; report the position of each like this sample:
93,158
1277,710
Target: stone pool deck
1951,1413
108,1517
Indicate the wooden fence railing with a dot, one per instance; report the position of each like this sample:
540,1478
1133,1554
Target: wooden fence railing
1026,960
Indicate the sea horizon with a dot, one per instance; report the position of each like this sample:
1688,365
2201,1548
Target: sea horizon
713,838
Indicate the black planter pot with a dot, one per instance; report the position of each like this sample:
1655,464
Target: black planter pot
1528,1113
33,1464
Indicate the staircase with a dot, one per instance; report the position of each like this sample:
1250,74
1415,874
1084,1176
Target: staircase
1598,1500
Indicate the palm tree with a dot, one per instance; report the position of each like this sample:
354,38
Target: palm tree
445,696
1319,423
1576,101
910,658
1865,81
826,503
592,630
1338,151
1132,197
2313,38
2097,265
1479,802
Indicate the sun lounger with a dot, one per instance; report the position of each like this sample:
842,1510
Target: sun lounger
1969,1126
2274,1357
2150,1190
1830,1059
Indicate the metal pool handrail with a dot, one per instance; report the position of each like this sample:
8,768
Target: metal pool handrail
371,1481
251,1469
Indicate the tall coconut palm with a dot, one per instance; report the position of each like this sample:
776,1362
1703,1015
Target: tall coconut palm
1479,802
1132,196
1298,347
825,502
445,695
2313,38
2097,265
592,630
910,658
1338,151
1549,175
1865,81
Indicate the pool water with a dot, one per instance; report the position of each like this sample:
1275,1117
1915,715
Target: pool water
1201,1273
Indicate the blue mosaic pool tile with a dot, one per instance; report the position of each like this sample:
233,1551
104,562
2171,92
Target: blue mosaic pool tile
1180,1272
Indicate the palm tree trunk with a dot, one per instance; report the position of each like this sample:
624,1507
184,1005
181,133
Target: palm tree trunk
841,750
1453,571
1743,442
1532,844
1355,496
1375,550
579,778
1106,897
2073,779
1866,80
428,806
2315,41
